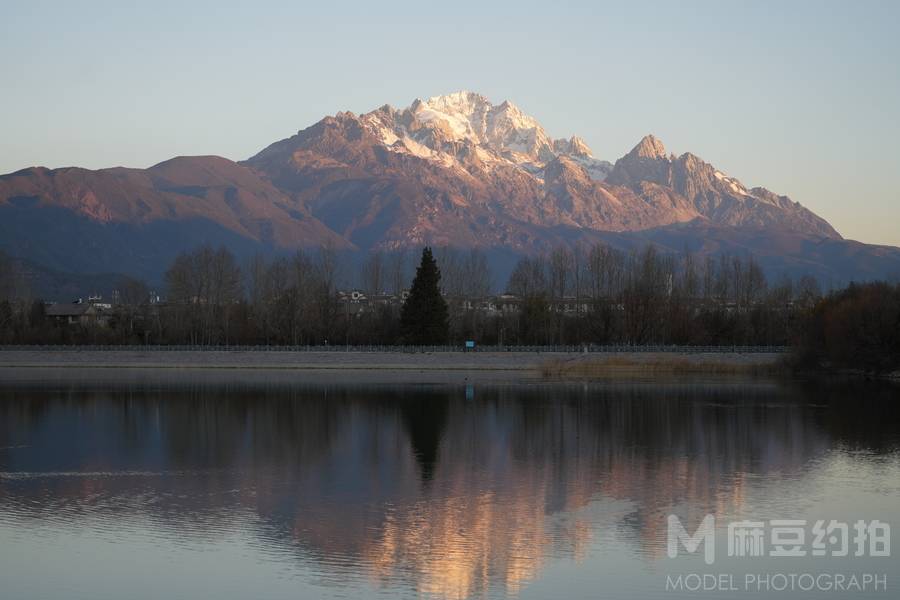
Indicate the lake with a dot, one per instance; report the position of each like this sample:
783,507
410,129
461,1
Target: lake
224,486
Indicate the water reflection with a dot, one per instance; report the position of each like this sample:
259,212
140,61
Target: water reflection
438,490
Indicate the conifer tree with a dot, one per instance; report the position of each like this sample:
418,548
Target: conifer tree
424,317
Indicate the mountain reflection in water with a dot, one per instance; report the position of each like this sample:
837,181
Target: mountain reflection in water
421,490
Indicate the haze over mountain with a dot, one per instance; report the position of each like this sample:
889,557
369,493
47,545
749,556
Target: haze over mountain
452,170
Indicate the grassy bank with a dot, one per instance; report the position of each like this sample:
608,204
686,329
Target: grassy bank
637,365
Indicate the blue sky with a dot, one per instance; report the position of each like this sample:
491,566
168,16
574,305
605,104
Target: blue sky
799,97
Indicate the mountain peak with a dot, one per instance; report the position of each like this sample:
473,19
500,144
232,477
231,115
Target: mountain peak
649,147
462,101
574,146
441,123
579,147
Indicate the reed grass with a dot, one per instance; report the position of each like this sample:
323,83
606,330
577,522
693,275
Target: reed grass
649,365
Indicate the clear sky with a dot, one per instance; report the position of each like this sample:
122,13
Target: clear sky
799,97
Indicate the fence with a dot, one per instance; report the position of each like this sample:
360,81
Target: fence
589,348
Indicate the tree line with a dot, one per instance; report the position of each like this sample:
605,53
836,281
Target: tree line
856,328
650,297
580,295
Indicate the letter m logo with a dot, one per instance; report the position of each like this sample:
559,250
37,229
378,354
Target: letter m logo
705,534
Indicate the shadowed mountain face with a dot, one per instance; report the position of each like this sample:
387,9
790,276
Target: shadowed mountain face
453,170
136,221
780,253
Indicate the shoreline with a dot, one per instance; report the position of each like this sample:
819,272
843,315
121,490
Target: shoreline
356,360
391,366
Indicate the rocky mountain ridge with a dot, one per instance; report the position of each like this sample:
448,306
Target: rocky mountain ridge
452,170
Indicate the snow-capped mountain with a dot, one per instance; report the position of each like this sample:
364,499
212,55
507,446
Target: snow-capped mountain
453,170
458,169
722,199
465,128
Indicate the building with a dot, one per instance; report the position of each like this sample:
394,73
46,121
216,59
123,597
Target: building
79,313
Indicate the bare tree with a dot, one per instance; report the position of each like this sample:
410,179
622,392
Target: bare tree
529,277
300,307
755,284
808,291
578,274
605,267
649,284
723,283
270,300
225,281
181,284
452,276
208,283
7,287
134,296
398,271
7,295
327,270
709,279
256,279
561,265
477,279
373,273
690,279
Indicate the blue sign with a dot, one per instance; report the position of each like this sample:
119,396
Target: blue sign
470,344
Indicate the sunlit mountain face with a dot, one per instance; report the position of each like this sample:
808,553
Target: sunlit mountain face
457,170
448,492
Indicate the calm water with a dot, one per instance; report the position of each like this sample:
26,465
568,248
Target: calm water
222,489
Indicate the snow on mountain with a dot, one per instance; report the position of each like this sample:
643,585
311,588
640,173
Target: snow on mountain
452,170
712,193
733,184
458,168
456,127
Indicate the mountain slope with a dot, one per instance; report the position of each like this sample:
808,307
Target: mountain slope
457,167
451,170
184,188
134,220
833,261
721,199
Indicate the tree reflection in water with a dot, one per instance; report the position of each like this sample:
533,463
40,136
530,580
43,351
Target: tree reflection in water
418,486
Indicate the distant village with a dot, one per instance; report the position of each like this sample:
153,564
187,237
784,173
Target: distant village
592,296
98,311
